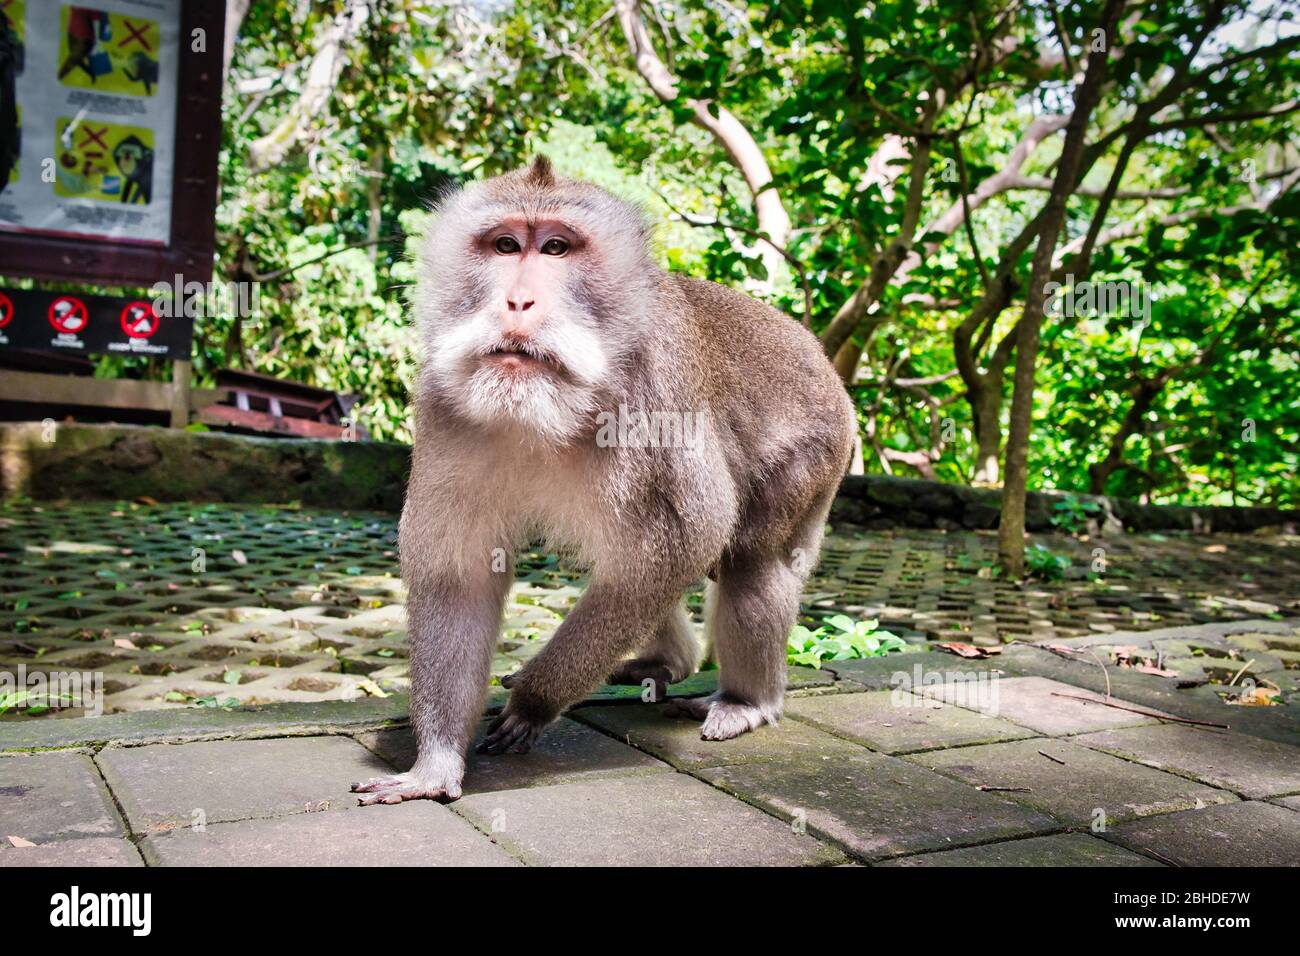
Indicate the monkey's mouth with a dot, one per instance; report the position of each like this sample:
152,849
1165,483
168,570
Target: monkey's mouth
521,356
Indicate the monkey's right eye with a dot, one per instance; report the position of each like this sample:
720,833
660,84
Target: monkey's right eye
506,245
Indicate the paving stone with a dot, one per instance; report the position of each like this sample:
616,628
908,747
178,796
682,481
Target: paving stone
92,851
162,786
55,796
886,673
655,820
1292,803
703,683
1247,833
1059,849
1032,702
878,806
415,833
1073,789
566,751
677,739
1154,693
1249,766
897,722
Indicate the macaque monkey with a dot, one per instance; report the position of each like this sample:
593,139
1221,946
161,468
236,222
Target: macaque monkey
542,316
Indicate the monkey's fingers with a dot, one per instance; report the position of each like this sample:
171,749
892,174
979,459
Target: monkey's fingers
509,733
508,680
695,708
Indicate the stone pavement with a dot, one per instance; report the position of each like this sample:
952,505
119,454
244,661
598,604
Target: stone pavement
182,605
918,759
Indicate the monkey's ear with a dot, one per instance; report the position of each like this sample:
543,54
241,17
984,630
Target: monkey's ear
541,173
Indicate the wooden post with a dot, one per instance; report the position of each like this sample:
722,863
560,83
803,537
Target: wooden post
180,393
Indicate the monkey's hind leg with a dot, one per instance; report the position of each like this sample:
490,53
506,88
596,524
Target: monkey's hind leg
756,604
672,655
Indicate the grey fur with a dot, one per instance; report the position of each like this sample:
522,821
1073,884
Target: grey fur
746,503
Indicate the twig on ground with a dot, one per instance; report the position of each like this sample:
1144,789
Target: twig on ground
987,789
1144,713
1051,758
1244,668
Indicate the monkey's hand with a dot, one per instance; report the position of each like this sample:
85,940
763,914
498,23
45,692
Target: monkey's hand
521,723
419,783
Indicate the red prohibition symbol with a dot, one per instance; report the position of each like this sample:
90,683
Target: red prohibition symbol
68,314
6,310
139,320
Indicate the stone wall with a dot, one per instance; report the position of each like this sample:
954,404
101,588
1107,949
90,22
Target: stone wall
124,461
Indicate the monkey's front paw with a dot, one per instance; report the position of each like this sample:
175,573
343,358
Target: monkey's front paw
406,786
511,733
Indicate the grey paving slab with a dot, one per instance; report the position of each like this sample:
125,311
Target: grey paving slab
1059,849
702,683
677,739
1292,803
912,669
55,796
1249,766
416,833
897,722
1044,705
1073,783
878,806
655,820
164,786
566,751
87,852
1247,833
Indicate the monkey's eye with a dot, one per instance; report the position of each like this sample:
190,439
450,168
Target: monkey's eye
506,245
554,247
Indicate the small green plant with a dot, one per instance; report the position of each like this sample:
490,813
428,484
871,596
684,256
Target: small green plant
840,638
1043,563
1071,514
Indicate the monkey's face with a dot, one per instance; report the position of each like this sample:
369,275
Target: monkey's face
532,295
523,342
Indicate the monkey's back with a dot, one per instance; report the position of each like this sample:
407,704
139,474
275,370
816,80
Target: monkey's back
766,379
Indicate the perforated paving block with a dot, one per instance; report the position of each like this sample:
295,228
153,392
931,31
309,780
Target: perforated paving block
184,605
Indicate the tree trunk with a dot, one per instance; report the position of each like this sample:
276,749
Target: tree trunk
986,412
1011,528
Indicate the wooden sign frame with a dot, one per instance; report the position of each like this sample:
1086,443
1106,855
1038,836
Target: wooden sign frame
194,188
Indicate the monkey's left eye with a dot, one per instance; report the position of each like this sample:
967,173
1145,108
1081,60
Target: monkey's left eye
554,247
506,245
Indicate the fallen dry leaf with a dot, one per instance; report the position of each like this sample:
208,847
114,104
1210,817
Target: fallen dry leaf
144,500
19,841
969,650
1255,697
1157,671
239,557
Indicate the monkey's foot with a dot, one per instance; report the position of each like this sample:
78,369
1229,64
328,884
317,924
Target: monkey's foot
723,718
638,670
510,733
406,786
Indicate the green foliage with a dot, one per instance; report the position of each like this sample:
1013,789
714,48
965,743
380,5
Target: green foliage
1042,562
1071,513
436,93
840,638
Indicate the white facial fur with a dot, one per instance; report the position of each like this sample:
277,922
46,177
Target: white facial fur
469,296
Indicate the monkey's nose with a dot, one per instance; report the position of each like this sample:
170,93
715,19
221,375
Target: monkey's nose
519,302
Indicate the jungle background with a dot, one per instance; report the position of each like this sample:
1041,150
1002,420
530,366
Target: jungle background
900,176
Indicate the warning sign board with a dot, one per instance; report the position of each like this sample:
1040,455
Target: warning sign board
68,315
90,324
139,320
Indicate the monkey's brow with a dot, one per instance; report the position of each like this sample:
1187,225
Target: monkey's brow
530,222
